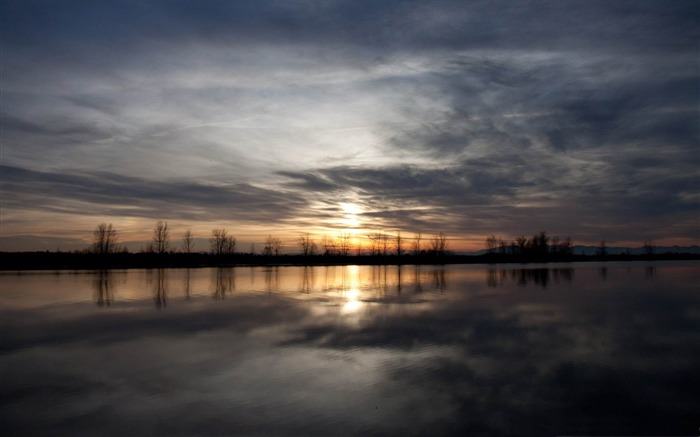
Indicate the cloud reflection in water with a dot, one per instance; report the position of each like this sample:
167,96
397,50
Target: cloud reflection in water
347,350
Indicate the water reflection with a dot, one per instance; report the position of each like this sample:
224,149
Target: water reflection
272,278
650,272
187,281
307,280
224,282
439,279
540,277
159,284
356,352
103,285
418,286
398,279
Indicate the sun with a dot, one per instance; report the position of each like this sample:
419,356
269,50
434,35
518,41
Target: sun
350,214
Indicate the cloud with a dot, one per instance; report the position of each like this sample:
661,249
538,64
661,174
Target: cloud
525,115
112,194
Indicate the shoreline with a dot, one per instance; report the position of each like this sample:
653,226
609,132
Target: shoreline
23,261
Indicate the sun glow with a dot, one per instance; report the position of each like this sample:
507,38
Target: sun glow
351,212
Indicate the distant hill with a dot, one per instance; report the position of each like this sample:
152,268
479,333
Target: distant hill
592,250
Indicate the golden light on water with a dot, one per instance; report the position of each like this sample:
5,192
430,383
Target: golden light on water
353,296
353,302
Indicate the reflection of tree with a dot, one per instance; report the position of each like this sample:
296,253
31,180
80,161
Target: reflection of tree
272,279
187,284
159,288
604,273
225,282
650,272
439,279
417,278
103,285
538,276
398,277
379,278
307,281
495,277
541,277
565,275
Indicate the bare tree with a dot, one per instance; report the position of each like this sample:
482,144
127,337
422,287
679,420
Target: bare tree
344,244
272,245
438,244
230,245
307,245
329,245
502,246
379,243
554,244
218,241
539,244
187,243
566,246
385,242
649,248
491,243
520,243
105,239
161,237
398,243
374,243
602,250
416,244
276,245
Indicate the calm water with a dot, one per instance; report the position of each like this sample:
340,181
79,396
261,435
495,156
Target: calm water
470,350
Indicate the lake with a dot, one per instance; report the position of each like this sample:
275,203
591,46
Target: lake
558,349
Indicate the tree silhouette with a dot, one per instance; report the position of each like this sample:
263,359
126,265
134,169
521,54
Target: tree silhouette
398,243
602,251
344,244
161,237
307,245
187,243
273,245
221,243
374,243
416,245
520,243
105,239
649,248
538,245
328,244
491,244
438,244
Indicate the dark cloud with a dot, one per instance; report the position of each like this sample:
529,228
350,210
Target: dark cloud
476,117
113,194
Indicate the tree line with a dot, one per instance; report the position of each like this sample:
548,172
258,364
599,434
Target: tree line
538,247
221,242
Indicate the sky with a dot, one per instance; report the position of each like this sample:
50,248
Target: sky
470,118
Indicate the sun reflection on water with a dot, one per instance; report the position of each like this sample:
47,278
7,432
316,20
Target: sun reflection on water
353,301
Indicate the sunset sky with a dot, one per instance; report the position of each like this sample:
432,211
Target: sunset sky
283,117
